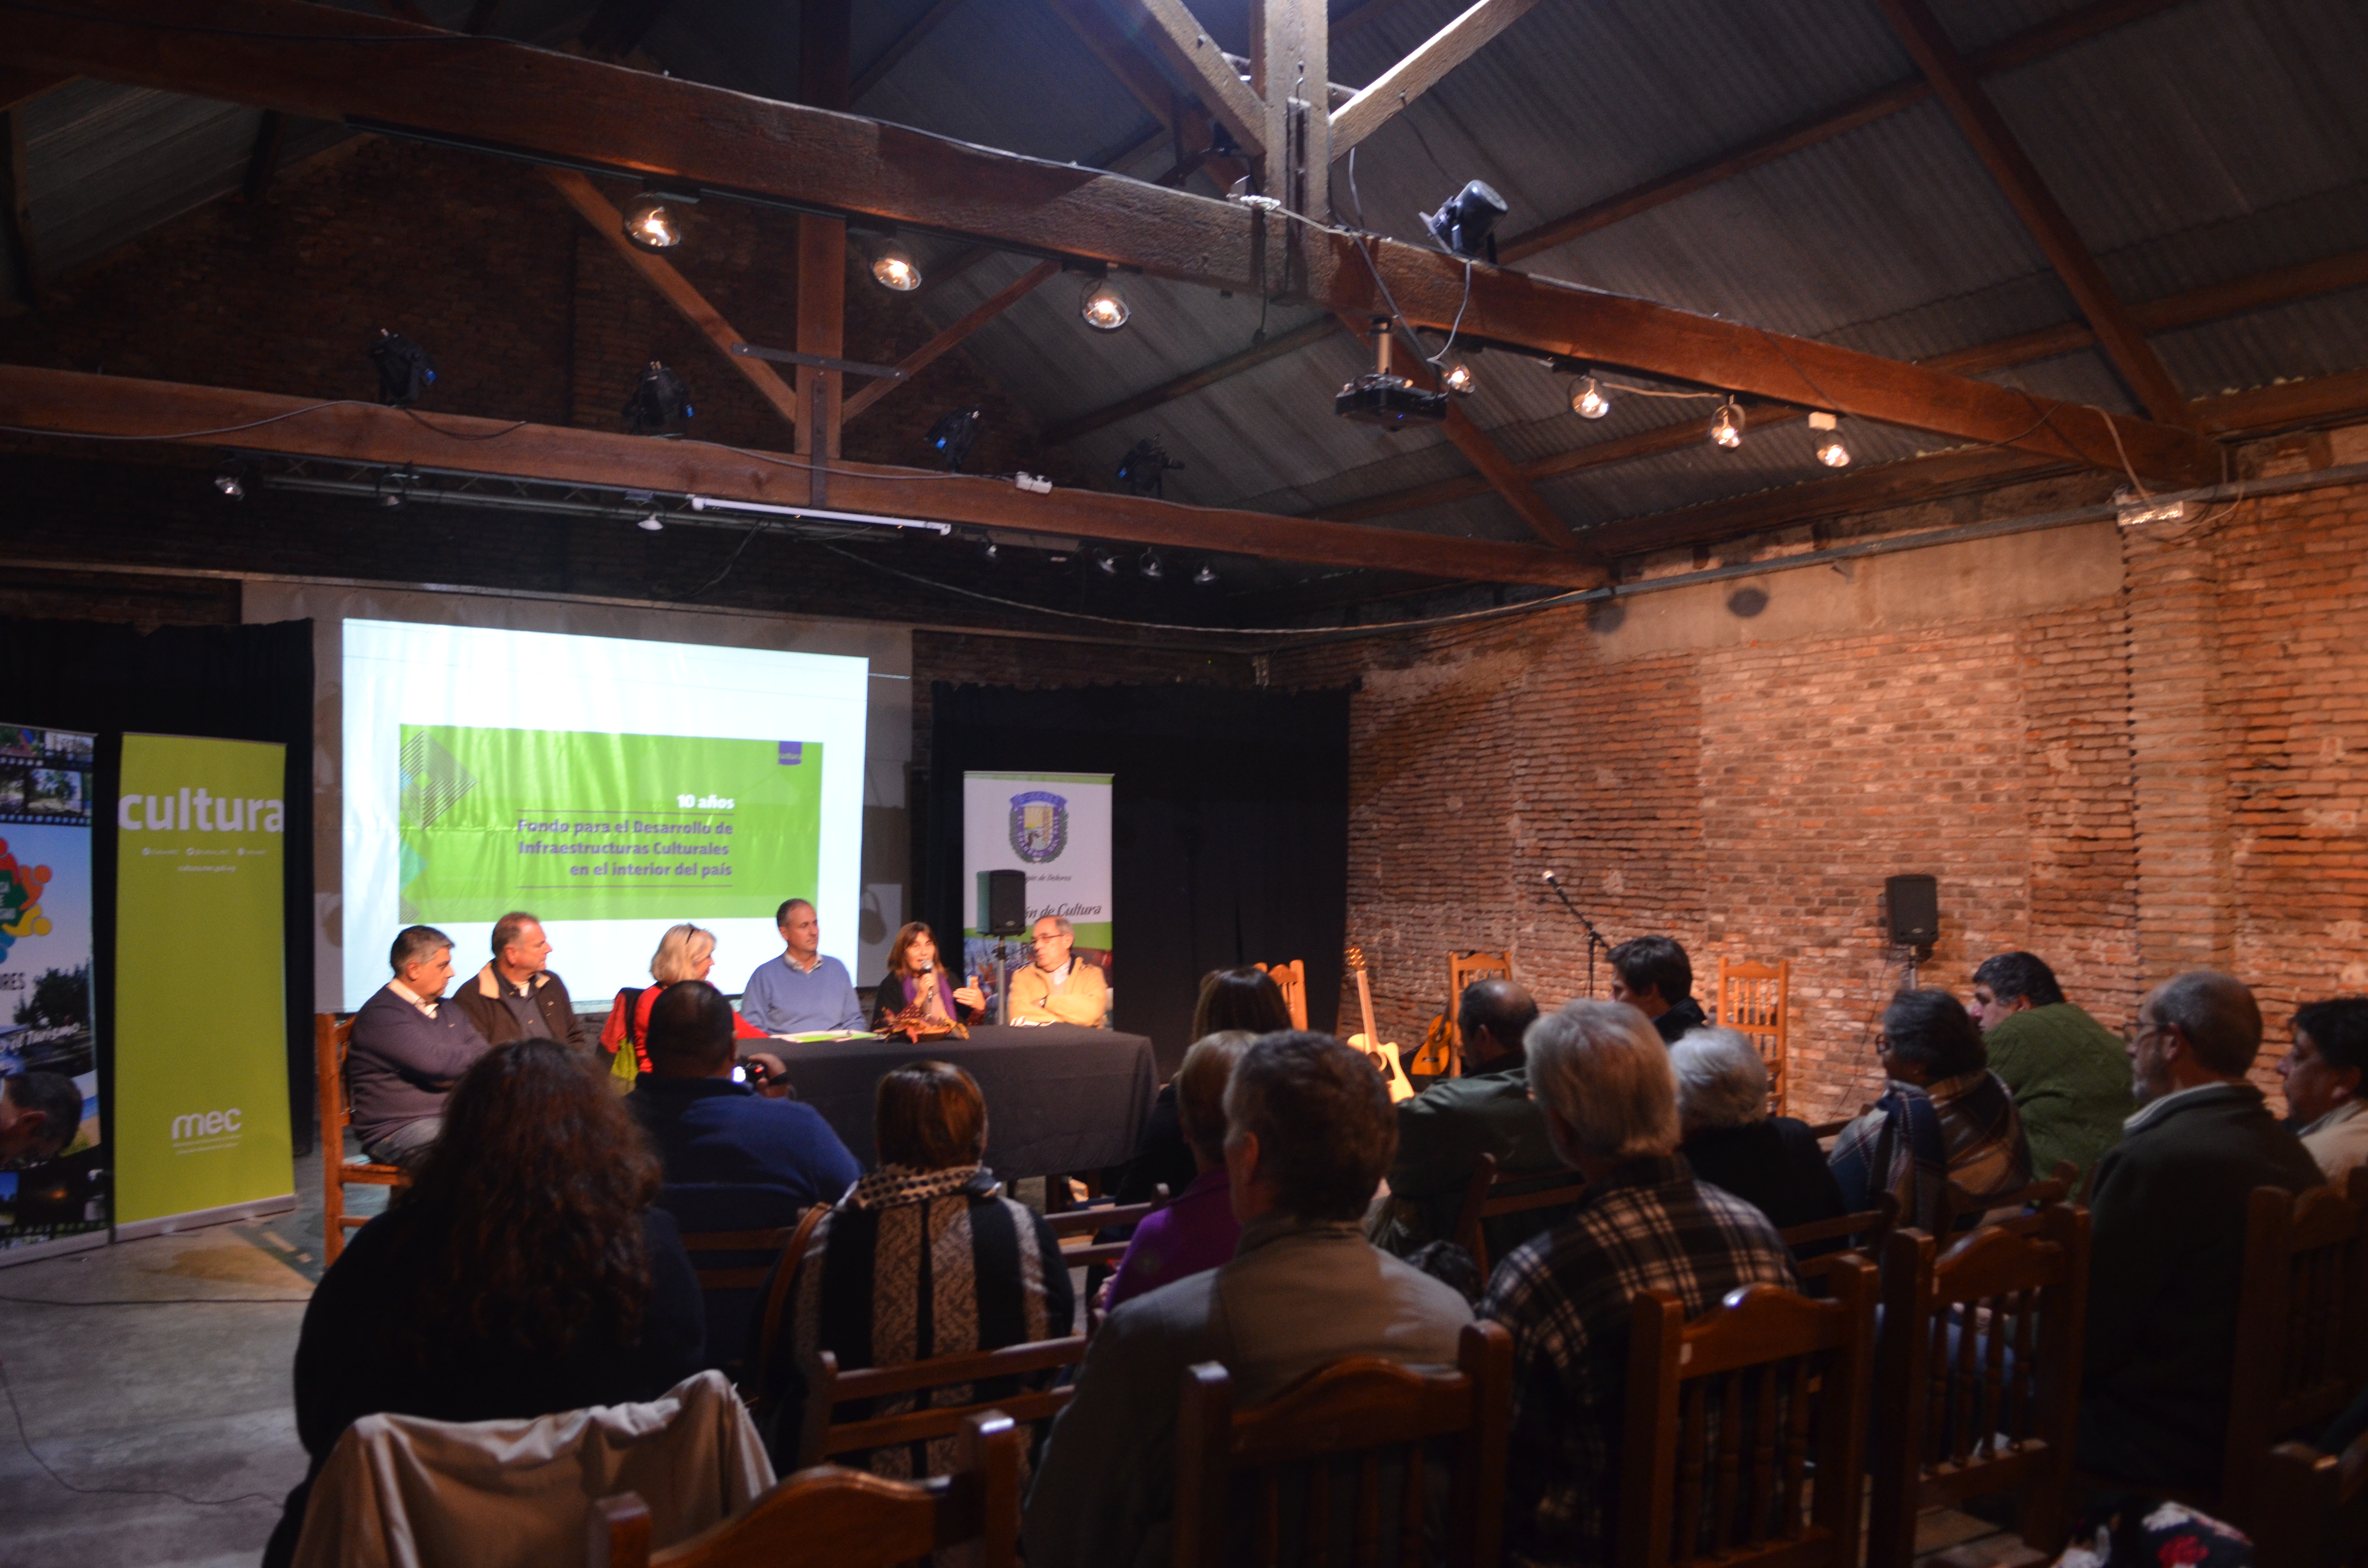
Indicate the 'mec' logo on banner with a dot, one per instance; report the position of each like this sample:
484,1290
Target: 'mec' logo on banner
202,1130
198,810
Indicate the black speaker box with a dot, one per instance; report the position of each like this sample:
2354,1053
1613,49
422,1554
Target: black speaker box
1007,902
1912,906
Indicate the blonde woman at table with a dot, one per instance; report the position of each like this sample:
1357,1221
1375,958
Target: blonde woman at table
916,976
685,953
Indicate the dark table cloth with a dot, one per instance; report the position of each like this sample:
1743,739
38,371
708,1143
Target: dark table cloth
1059,1099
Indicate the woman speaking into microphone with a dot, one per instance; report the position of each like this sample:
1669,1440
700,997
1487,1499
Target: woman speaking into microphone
919,994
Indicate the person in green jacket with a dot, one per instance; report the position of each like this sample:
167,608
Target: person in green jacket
2069,1073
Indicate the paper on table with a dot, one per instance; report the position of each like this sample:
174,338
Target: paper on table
825,1037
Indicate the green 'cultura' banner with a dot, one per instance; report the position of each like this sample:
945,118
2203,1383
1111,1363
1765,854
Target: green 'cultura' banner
201,1127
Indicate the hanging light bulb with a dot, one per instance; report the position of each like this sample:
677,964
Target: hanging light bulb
1830,450
1587,399
892,268
1104,307
1150,566
1206,577
1460,381
652,524
654,219
1726,426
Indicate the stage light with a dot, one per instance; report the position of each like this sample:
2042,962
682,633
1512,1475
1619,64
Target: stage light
1144,468
988,549
892,268
404,371
1726,426
1463,220
1587,400
231,479
952,435
654,218
1830,450
1206,577
1460,381
1107,562
652,524
1151,566
658,401
389,489
1104,307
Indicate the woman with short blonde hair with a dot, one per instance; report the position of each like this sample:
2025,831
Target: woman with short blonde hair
685,953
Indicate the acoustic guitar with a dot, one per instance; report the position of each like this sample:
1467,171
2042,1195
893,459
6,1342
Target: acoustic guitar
1384,1057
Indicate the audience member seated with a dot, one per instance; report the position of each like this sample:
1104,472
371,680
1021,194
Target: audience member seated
526,1272
2322,1076
1945,1117
926,1258
515,996
685,953
1054,988
2167,1216
1443,1131
409,1048
1653,975
1308,1133
914,974
1603,1077
1196,1230
803,991
1247,999
706,1128
1771,1162
40,1114
2069,1075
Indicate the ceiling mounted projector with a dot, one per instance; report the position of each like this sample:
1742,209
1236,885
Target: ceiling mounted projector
1381,396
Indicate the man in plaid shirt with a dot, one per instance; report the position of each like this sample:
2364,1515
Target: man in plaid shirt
1603,1077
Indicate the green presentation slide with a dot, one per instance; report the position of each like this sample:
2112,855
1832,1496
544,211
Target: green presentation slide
583,825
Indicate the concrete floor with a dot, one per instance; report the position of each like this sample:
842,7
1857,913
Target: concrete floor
186,1393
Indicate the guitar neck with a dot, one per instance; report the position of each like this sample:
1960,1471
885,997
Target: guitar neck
1365,1009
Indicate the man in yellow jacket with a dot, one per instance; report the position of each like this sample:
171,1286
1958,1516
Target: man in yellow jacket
1056,988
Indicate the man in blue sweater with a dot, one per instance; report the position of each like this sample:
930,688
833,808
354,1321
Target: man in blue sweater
803,991
709,1129
410,1047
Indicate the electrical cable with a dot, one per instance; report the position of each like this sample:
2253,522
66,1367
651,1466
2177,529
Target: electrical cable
746,539
26,1438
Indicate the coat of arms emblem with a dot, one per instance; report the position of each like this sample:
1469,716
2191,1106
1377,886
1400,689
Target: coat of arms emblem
1040,826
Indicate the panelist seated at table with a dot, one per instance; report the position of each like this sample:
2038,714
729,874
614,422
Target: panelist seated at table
915,975
410,1046
1056,988
803,991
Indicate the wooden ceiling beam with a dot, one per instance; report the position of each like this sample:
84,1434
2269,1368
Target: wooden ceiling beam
945,342
1170,32
2018,180
673,289
509,96
1137,71
70,402
2005,55
1390,92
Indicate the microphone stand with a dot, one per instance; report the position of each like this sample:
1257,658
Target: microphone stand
1594,937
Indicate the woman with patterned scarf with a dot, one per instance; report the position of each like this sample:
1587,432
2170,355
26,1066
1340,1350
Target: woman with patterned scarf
924,1258
1945,1117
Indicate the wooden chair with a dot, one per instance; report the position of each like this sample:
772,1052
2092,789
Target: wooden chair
1978,1386
1694,1486
1961,1209
737,1234
1865,1230
1292,978
1489,1196
2312,1507
776,1304
1463,969
1361,1410
829,1387
1756,998
1081,1224
830,1518
332,1037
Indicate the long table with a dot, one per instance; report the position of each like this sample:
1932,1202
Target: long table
1059,1099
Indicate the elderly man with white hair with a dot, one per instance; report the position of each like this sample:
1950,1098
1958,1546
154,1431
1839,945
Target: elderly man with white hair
1771,1162
1603,1076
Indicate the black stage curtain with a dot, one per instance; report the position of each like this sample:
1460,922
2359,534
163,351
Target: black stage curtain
239,683
1230,842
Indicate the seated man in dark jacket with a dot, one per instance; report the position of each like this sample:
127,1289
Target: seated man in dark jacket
1771,1162
708,1129
1653,975
2168,1217
410,1047
516,995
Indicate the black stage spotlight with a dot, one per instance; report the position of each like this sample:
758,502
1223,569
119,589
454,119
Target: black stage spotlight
404,370
1144,468
658,401
231,479
951,436
1105,563
1463,220
1206,577
1151,566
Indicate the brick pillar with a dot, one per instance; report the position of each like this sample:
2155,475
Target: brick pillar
2186,894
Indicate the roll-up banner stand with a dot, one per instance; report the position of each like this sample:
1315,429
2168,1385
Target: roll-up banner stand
1055,827
201,1121
57,1203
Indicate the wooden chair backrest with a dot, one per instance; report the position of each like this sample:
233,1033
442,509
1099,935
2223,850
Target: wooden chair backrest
1291,978
847,1518
1071,1223
1489,1196
1694,1485
2312,1507
1978,1377
1755,999
333,1040
1463,969
2301,1355
773,1239
1960,1209
1866,1231
828,1388
1365,1406
777,1296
